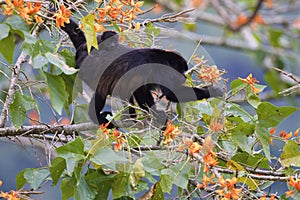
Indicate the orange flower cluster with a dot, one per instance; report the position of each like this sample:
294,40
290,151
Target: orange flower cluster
210,160
12,195
242,19
170,133
216,125
210,74
62,16
206,181
251,81
228,190
286,135
115,134
119,11
295,183
272,197
27,11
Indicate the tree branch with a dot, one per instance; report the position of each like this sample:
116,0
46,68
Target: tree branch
39,129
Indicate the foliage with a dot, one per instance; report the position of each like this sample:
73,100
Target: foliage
227,155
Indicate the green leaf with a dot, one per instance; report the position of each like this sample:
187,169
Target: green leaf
190,26
101,182
67,187
137,173
264,138
107,157
84,191
253,184
17,23
73,87
39,61
57,90
20,180
274,37
151,30
181,174
17,112
240,135
270,115
58,165
152,164
69,57
89,32
35,177
290,155
254,100
236,86
57,61
255,160
237,110
121,185
8,51
4,31
241,140
29,39
234,166
72,152
166,183
158,193
18,108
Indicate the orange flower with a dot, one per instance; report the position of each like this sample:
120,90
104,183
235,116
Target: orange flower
38,19
206,181
251,81
272,197
282,133
210,74
209,159
259,20
103,128
288,136
297,132
269,3
113,12
170,133
241,19
137,6
195,148
1,183
62,16
228,185
272,131
295,183
215,125
289,193
235,193
13,195
263,198
33,7
118,139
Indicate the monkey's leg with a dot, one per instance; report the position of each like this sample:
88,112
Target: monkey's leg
185,94
144,98
132,112
96,105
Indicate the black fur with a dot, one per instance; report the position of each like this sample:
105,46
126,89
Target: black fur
130,73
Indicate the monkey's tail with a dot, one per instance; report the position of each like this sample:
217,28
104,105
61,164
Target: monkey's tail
76,35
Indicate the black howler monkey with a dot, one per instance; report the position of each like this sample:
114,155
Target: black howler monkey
130,73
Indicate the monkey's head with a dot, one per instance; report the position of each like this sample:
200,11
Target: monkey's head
108,34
